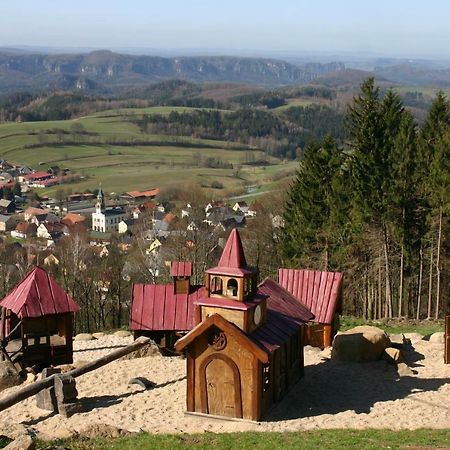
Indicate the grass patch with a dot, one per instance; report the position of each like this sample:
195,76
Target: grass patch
322,439
395,326
4,441
115,152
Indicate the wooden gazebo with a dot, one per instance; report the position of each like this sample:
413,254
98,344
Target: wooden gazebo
37,322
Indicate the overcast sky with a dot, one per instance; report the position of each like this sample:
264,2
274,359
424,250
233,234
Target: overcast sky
391,27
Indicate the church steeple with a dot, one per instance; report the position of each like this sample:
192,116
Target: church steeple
231,289
100,204
232,278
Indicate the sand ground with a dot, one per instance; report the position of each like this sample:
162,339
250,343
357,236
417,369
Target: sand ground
331,395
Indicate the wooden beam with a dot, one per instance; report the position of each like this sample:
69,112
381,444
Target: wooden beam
447,340
36,387
3,332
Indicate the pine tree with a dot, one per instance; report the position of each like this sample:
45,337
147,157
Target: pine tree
310,232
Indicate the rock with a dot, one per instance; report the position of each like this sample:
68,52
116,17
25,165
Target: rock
84,337
13,430
46,399
438,338
413,337
31,378
326,353
122,333
360,344
393,355
147,350
98,335
404,370
142,382
9,376
310,348
23,442
396,338
67,367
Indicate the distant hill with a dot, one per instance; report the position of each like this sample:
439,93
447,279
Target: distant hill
348,78
414,74
103,70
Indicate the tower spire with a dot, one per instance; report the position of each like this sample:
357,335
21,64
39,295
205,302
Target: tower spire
100,205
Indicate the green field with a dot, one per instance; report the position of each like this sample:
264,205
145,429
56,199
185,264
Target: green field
295,102
312,440
113,151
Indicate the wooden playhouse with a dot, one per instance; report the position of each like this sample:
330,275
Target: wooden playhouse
37,322
321,292
246,349
163,311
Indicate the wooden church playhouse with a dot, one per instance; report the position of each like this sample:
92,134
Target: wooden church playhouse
36,322
246,348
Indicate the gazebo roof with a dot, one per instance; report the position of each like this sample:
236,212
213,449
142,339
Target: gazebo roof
37,295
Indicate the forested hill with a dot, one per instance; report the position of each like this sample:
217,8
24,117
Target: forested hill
105,69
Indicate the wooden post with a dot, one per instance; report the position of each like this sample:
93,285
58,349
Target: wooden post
36,387
3,333
447,340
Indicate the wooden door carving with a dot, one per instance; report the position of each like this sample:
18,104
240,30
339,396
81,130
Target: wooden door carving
221,386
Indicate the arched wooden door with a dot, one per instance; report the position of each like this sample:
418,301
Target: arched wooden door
221,387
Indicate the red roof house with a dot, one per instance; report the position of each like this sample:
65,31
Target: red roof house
321,292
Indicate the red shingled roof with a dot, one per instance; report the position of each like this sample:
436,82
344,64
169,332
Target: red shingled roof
319,291
181,269
232,262
38,295
37,175
156,308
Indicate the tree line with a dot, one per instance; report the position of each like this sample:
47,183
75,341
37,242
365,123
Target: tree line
378,208
288,134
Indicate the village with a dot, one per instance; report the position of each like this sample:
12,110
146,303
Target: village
37,224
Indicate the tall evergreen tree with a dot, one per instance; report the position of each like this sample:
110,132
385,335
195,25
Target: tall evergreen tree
310,229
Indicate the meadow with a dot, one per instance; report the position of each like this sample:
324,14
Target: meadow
311,440
109,148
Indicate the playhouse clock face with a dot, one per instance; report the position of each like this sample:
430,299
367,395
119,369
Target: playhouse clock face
257,315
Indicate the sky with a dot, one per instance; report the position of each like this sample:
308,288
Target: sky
399,28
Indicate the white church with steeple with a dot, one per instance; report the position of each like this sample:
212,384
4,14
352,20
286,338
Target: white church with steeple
106,220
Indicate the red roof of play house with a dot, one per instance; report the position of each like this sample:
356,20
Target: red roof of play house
37,295
181,269
156,307
319,291
232,261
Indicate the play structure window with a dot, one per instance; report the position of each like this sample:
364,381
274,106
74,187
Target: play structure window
216,285
232,288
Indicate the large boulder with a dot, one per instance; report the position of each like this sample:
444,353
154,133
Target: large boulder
438,338
360,344
122,333
84,337
9,376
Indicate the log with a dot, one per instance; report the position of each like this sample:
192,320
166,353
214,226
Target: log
36,387
136,345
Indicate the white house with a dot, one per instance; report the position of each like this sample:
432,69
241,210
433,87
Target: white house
104,219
